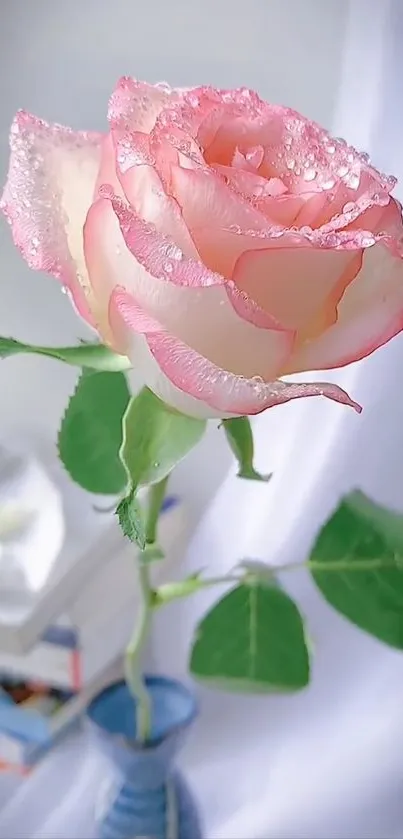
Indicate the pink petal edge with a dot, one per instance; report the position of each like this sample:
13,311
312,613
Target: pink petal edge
31,199
197,377
162,258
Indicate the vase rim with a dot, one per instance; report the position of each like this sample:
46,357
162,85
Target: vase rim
184,713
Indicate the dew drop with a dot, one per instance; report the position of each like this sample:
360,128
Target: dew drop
391,181
367,240
383,199
353,180
193,99
291,163
167,266
328,184
310,174
349,207
332,240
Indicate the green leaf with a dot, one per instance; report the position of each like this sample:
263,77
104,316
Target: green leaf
357,563
240,438
131,520
95,356
155,439
90,435
252,640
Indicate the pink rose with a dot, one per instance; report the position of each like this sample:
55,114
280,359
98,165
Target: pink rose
218,241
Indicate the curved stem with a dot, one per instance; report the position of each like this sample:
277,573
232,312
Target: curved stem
133,670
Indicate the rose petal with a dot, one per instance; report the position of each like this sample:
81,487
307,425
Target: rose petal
51,180
314,208
157,253
386,218
209,206
301,286
204,197
108,173
145,192
193,374
369,314
267,196
248,183
308,159
161,258
202,317
135,105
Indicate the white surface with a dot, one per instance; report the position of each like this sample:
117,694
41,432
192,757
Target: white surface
327,763
28,495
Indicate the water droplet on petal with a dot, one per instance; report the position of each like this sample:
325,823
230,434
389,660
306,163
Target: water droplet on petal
310,174
193,99
353,180
367,239
349,207
328,184
391,181
332,240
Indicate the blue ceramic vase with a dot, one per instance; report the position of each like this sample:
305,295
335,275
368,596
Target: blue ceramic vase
149,797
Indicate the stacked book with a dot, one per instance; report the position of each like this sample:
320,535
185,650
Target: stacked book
69,643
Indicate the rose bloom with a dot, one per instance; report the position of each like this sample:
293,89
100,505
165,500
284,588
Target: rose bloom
218,241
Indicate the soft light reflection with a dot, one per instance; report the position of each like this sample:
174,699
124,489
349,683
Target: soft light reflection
32,525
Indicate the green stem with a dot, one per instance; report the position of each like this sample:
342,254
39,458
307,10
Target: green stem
155,500
190,585
133,671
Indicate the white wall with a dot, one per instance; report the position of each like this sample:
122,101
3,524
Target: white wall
61,60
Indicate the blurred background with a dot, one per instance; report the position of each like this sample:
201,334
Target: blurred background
329,763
